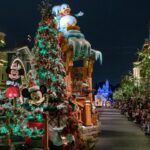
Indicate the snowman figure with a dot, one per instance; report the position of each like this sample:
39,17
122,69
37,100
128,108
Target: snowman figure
67,19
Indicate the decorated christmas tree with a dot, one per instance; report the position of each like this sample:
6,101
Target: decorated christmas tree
48,56
47,68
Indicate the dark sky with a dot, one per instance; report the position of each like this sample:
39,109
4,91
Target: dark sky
115,27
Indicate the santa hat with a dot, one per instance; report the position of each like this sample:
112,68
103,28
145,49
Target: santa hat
33,86
14,66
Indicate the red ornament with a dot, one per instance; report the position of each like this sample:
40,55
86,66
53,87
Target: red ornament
21,118
44,115
49,81
47,32
47,20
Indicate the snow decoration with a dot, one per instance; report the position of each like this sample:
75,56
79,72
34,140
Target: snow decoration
82,48
74,33
80,45
96,54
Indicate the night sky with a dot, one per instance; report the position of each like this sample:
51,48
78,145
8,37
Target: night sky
115,27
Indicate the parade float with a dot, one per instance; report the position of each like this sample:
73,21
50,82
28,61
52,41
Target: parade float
76,48
53,101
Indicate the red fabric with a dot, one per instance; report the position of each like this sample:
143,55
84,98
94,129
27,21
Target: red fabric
12,92
27,140
38,125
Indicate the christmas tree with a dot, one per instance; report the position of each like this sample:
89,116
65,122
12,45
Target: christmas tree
48,56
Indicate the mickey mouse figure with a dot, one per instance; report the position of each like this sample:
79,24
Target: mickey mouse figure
14,74
35,96
34,93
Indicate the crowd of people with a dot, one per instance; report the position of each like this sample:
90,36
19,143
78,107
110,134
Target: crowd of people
138,111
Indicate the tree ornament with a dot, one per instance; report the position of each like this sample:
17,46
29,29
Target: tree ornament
43,52
4,130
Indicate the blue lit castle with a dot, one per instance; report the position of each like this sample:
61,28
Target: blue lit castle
103,94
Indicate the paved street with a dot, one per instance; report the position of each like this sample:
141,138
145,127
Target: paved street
120,134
